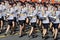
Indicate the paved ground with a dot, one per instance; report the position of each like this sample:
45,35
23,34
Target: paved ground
15,37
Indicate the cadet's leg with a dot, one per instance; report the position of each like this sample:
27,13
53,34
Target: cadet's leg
27,20
59,26
13,26
20,33
8,27
20,30
31,31
21,27
55,33
44,32
45,29
1,25
37,21
53,30
40,23
50,25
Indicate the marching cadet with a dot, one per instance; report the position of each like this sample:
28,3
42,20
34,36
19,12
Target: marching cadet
1,15
21,20
14,11
4,14
33,21
10,20
55,23
45,22
40,16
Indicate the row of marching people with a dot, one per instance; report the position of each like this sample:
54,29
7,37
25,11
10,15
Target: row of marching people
46,16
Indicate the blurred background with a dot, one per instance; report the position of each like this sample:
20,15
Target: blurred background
47,1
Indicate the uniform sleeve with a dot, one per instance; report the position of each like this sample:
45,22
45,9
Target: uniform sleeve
57,13
35,12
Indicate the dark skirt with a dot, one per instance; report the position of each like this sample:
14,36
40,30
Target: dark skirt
33,24
46,25
55,25
10,22
21,22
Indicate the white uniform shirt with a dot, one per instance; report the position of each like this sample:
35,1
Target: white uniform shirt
34,18
45,20
11,17
24,15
